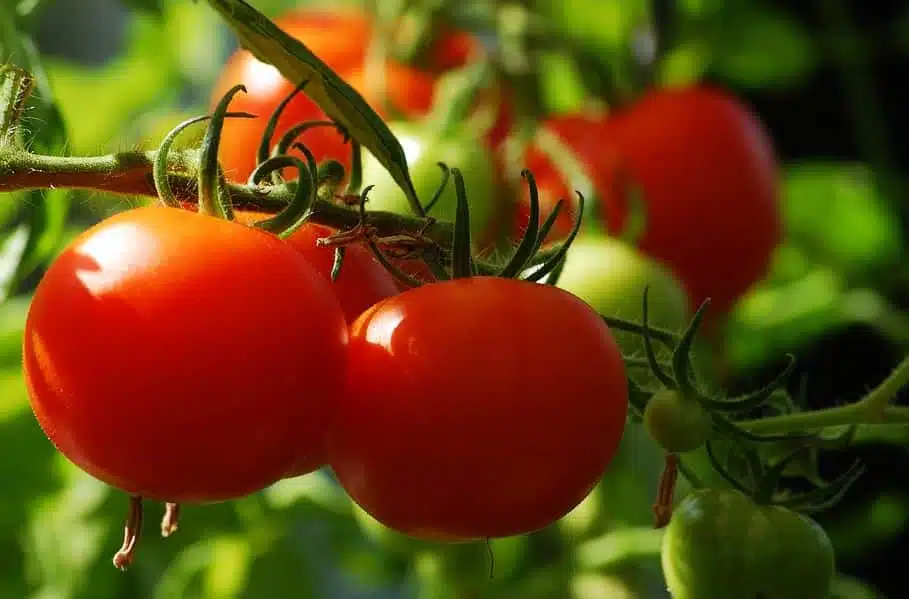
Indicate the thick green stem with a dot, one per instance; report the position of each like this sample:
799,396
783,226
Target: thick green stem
877,401
853,414
874,408
130,173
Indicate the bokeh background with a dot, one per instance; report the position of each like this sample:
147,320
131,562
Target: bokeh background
825,76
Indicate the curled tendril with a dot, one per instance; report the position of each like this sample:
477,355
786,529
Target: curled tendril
210,199
159,166
297,211
262,152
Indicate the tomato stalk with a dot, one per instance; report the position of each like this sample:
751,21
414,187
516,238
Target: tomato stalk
130,173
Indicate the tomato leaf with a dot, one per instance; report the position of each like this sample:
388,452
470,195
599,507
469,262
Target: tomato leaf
819,196
335,96
762,47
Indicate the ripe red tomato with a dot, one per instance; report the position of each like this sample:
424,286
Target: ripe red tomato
363,281
708,174
459,422
417,269
183,358
340,39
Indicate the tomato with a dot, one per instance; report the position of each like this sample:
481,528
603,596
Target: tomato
362,282
721,544
340,39
611,276
477,408
581,135
677,423
708,174
183,358
416,268
424,150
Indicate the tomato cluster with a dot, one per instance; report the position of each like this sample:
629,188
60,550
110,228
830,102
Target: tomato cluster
183,357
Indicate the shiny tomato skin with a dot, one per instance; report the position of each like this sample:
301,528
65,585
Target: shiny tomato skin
460,420
183,358
721,544
362,282
708,173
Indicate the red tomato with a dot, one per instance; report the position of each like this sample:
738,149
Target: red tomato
183,358
708,174
460,420
363,280
416,268
340,39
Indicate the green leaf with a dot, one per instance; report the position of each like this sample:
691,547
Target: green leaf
759,47
820,197
339,100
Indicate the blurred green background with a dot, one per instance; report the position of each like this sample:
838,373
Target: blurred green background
822,74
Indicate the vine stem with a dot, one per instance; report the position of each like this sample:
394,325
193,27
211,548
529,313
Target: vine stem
130,173
874,408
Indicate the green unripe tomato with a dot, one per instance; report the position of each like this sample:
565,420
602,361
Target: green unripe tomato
424,149
677,423
610,275
721,544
